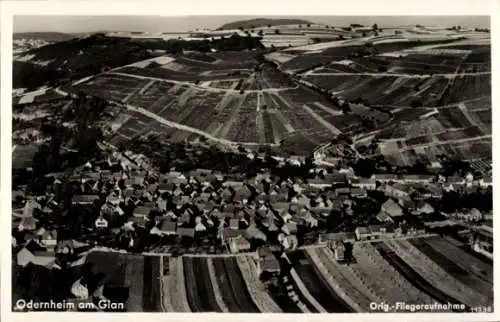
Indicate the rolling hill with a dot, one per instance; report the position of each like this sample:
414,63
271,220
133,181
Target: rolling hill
261,22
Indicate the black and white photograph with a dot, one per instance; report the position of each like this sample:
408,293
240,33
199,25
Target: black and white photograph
252,164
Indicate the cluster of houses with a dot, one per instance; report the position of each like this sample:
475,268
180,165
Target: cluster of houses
239,211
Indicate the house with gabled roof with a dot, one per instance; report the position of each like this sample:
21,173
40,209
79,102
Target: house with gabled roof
329,239
384,217
238,244
252,232
167,227
398,190
423,208
391,208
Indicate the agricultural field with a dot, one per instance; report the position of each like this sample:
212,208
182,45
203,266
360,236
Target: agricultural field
131,279
112,87
386,90
233,97
423,270
232,286
134,125
464,88
214,284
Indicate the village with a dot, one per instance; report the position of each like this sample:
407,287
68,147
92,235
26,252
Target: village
117,204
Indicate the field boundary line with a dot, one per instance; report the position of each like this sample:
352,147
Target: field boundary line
165,302
181,285
321,120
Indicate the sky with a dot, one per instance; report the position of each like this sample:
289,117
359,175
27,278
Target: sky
82,24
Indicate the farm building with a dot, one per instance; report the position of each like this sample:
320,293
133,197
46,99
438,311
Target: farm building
423,208
267,262
374,232
339,250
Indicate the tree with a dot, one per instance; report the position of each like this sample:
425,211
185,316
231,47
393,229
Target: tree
261,33
277,31
374,27
308,25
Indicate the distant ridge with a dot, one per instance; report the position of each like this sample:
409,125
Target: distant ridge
47,36
262,22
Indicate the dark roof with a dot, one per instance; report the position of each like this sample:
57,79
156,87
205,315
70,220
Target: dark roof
270,263
22,157
336,177
167,225
232,233
183,231
142,211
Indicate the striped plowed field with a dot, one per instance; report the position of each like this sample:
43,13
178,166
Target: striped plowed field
464,267
342,280
124,273
437,275
199,288
316,283
411,275
371,267
151,297
232,286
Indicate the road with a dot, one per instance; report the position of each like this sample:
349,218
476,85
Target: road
453,75
203,88
429,144
186,128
